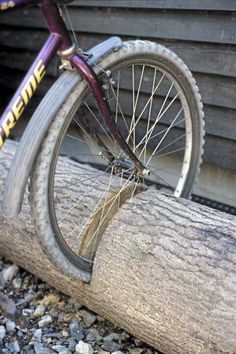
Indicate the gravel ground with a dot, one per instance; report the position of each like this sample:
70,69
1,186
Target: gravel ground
42,320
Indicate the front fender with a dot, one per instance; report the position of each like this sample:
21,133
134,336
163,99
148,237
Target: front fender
36,129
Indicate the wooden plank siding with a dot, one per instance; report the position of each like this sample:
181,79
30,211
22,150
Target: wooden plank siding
201,32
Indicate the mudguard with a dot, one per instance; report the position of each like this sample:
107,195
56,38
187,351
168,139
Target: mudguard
36,129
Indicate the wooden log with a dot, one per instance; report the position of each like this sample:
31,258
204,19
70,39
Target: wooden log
165,270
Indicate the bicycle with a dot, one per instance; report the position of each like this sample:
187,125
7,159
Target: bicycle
121,118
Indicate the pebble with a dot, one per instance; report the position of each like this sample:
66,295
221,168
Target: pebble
72,305
72,344
27,312
112,336
136,350
2,332
45,320
65,333
14,346
110,346
39,348
10,326
20,333
93,336
38,335
61,349
51,334
138,342
88,318
39,311
56,324
74,326
79,335
16,282
9,272
83,348
6,351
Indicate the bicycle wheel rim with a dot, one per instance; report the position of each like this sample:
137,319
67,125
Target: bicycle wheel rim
183,173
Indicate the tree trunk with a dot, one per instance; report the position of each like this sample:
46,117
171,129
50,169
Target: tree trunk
165,270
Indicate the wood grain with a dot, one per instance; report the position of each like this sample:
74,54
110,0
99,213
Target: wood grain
165,270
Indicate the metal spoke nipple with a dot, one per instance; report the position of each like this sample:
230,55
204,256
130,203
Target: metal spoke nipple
145,172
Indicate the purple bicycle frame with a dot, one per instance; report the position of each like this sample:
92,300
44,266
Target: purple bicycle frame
58,41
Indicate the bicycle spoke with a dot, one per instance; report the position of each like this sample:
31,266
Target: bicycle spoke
104,130
154,151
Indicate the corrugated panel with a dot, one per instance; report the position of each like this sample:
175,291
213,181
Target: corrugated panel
199,27
223,5
202,33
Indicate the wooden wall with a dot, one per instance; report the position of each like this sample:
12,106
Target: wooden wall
201,32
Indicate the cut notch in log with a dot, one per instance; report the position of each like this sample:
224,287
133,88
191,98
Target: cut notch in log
165,270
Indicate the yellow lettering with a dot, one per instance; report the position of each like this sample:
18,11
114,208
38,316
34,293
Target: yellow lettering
5,5
22,100
18,107
39,71
29,89
8,123
1,140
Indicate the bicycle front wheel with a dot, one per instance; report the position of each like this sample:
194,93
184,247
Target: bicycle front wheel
81,176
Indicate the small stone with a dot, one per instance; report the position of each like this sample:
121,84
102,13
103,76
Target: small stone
74,326
83,348
72,344
27,312
110,346
10,326
2,332
39,348
6,351
136,350
138,342
45,320
79,335
39,311
50,334
14,346
38,335
9,273
53,312
16,282
48,340
60,317
93,336
65,333
88,318
72,304
20,333
61,349
149,351
112,336
124,336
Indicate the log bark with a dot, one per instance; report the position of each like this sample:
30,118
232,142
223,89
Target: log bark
165,270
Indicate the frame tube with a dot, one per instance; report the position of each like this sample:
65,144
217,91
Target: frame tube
28,86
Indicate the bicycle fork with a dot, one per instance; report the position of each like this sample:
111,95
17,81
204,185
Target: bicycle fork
104,109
